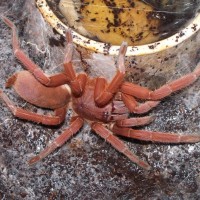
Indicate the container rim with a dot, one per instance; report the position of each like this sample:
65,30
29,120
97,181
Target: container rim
106,48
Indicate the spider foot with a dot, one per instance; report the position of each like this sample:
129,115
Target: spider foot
34,160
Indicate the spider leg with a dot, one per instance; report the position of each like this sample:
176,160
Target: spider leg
103,91
31,116
77,83
164,91
118,144
155,136
135,107
135,121
54,80
59,141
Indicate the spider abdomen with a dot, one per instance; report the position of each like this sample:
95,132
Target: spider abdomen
30,89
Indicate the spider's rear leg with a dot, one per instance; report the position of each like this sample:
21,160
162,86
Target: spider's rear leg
32,91
56,119
118,144
59,141
155,136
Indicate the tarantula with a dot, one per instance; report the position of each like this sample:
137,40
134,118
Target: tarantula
105,106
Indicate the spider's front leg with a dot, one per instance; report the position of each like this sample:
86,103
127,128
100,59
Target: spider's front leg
77,82
104,92
164,91
54,80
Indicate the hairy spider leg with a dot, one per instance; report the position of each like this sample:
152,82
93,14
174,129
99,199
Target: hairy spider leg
118,144
77,82
135,121
59,141
68,76
51,81
155,136
104,92
59,114
164,91
136,107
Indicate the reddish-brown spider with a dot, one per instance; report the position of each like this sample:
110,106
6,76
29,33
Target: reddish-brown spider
105,106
